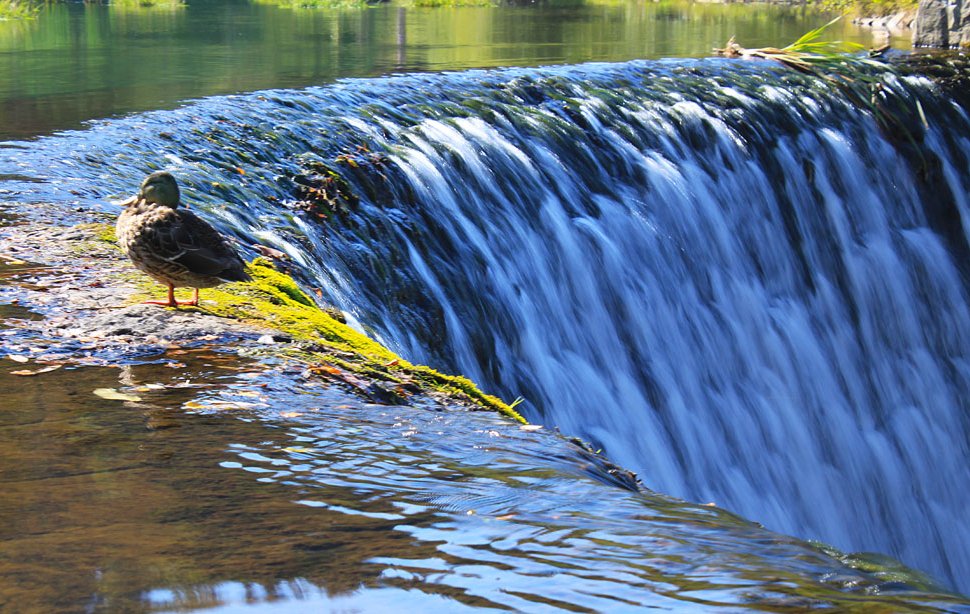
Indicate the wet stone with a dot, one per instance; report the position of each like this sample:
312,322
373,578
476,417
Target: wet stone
145,320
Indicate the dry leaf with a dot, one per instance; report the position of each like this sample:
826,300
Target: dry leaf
328,369
113,395
148,387
38,371
270,252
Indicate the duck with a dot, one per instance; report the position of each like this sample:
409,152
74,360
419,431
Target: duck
173,245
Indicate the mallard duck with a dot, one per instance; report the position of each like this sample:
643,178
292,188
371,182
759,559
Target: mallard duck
172,245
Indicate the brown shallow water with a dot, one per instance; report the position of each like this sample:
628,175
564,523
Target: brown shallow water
105,500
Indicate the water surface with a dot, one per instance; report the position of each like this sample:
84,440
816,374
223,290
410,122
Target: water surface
83,61
230,484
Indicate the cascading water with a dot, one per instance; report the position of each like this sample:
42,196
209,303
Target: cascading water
739,282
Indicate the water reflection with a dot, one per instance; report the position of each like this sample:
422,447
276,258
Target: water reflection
108,505
84,61
230,484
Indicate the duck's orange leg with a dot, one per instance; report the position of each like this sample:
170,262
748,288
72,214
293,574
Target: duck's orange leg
195,299
171,302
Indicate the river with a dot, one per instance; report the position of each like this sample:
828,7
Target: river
731,278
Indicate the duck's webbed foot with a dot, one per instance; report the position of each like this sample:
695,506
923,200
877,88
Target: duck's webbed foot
171,302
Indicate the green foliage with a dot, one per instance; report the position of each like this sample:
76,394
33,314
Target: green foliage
18,9
147,4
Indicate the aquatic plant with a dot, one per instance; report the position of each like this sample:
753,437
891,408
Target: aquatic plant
805,54
332,349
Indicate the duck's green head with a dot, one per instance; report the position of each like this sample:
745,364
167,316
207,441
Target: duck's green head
160,188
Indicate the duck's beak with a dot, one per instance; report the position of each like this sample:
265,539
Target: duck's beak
129,202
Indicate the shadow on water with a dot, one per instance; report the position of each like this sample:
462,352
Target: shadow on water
219,482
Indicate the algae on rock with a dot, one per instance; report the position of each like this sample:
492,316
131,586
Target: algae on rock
274,300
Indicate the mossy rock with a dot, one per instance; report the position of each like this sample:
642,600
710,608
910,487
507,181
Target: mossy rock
331,348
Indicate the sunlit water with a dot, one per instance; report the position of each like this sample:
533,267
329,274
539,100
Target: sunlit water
80,61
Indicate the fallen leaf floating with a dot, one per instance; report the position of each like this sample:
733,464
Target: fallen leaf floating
113,395
27,372
17,358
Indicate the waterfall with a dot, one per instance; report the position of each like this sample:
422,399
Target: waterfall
738,281
742,288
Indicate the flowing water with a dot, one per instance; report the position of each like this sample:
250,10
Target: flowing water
738,281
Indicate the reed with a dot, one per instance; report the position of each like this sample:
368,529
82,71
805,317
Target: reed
808,53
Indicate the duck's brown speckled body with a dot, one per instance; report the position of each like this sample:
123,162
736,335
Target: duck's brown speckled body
172,245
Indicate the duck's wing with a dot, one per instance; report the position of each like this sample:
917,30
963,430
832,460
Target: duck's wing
189,241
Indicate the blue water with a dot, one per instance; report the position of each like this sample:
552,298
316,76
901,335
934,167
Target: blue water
735,280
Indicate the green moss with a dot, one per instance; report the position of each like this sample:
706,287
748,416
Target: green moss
102,232
274,300
98,240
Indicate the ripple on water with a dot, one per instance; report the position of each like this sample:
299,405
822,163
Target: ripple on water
230,483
